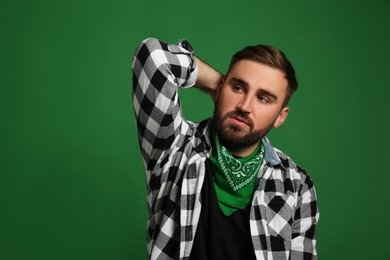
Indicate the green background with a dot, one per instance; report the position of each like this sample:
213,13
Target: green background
71,177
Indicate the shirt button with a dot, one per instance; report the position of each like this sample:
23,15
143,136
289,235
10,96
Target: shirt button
186,45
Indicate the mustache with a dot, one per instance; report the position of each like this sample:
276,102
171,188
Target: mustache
242,116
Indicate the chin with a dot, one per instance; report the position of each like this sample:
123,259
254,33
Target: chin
235,131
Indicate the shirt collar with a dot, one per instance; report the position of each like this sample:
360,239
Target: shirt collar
270,154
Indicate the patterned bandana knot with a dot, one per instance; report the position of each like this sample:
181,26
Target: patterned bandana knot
237,173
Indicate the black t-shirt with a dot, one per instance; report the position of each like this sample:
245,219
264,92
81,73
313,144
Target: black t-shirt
218,236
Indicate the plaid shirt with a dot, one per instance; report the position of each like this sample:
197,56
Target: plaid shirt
284,211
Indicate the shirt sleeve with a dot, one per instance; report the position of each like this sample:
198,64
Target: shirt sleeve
159,69
304,243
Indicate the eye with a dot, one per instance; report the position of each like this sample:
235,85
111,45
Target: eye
237,88
263,99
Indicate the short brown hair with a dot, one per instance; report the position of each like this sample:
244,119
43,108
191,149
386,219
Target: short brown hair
272,57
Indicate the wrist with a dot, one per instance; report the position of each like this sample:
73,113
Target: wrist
208,78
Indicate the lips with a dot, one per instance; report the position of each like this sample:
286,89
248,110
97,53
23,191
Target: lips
240,120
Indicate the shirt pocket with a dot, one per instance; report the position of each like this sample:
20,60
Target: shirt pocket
279,217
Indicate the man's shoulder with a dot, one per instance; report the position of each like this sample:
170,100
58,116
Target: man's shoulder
203,125
292,169
202,132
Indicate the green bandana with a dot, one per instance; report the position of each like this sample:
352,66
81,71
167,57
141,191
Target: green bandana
238,172
234,178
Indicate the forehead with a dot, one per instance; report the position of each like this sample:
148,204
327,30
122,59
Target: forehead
258,75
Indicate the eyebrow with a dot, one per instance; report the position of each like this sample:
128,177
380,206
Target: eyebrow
267,93
239,81
259,92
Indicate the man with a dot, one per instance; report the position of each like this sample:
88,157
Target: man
218,189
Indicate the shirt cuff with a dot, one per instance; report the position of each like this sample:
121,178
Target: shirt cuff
183,47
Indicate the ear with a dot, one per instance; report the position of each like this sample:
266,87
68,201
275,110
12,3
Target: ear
281,117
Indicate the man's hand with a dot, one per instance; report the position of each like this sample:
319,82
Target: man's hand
209,80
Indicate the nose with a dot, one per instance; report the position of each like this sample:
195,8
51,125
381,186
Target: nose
245,104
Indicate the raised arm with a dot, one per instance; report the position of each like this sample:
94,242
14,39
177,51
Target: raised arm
159,69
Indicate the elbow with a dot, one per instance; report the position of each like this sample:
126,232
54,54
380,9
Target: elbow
144,50
148,43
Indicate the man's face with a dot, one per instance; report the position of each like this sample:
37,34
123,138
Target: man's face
249,104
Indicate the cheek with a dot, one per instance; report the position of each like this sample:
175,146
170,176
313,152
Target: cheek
225,103
265,117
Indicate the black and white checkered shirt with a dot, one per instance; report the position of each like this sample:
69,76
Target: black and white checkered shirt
284,211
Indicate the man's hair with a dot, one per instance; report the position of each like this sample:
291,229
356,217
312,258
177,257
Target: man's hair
272,57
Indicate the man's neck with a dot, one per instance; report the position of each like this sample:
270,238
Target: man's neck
244,152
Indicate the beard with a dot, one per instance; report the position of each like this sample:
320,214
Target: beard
234,137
